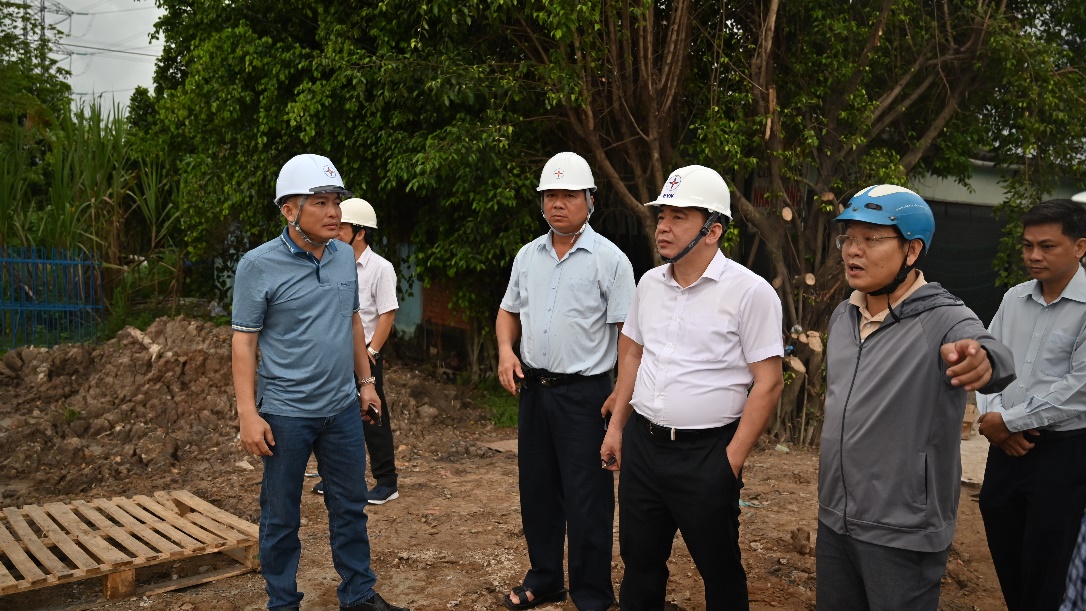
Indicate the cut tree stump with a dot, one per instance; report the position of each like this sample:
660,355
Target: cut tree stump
58,543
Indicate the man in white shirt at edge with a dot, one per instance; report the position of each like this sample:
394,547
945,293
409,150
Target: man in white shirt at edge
700,330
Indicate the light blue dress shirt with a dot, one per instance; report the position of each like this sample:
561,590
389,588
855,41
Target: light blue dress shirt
1049,345
568,308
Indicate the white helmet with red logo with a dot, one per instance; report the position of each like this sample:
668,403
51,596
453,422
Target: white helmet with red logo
308,174
696,186
566,171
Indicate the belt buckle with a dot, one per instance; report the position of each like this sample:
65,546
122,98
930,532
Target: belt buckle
547,382
672,434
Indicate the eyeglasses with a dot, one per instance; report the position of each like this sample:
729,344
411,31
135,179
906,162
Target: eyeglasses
866,243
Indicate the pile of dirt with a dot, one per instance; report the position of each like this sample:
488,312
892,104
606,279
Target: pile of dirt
156,409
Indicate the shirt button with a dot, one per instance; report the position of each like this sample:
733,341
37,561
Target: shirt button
669,344
544,331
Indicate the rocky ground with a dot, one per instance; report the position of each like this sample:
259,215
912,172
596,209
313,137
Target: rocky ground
154,411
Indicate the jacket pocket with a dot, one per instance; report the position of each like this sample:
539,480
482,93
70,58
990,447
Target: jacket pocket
919,488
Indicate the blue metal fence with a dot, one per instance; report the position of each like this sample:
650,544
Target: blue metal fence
48,296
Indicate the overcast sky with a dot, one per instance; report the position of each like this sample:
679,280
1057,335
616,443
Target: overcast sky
111,53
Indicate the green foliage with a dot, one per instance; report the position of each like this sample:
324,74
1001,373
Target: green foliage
501,407
441,114
71,415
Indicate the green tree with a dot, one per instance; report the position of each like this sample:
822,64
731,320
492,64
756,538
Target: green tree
443,111
32,85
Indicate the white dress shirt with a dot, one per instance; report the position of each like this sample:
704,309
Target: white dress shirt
698,342
376,289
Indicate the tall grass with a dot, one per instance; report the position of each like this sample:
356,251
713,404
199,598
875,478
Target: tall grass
80,184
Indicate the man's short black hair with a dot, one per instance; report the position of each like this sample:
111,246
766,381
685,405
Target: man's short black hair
1069,215
721,218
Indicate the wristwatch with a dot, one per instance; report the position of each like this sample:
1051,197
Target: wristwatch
363,381
373,352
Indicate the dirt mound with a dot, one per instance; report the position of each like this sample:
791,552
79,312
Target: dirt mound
157,408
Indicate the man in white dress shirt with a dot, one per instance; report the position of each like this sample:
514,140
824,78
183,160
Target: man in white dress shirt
377,307
703,342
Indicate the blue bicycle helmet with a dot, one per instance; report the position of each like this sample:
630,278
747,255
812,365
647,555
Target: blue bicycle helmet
894,206
897,207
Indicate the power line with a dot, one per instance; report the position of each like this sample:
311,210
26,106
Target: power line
68,44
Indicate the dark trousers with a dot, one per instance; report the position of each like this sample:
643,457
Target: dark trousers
684,485
563,490
379,438
855,575
1032,508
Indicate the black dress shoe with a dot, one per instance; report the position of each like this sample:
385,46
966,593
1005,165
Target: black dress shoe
374,604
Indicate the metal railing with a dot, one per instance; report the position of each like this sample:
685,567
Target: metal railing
48,296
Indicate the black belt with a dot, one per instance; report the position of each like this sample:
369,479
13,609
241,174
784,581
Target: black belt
1047,435
549,379
670,434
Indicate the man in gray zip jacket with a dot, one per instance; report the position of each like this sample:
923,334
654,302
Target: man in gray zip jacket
901,355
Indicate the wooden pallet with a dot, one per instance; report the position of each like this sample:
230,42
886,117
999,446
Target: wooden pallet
59,543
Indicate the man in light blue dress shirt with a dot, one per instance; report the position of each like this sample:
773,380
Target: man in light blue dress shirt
568,294
1034,487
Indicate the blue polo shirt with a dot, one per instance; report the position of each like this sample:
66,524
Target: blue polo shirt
302,308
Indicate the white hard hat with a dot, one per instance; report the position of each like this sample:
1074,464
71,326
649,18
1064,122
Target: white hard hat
308,173
566,171
357,211
696,186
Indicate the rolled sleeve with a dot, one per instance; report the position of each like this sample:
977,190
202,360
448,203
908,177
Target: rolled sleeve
250,298
386,290
620,294
511,301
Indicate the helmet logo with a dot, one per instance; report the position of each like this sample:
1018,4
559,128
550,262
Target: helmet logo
329,171
673,182
558,174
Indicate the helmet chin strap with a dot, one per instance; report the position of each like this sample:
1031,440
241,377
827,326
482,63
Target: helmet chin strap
298,227
902,274
713,218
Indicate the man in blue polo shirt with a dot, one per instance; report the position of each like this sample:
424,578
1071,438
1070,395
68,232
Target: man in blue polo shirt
568,292
296,298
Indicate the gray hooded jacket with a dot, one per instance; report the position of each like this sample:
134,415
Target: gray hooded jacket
890,464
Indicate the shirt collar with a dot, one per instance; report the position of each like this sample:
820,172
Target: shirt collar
295,250
1075,289
859,299
365,257
587,241
714,271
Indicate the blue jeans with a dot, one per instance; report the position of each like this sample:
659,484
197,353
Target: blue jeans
339,445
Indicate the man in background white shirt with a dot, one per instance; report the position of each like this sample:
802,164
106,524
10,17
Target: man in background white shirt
377,308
